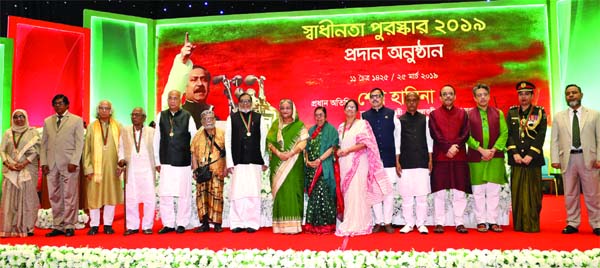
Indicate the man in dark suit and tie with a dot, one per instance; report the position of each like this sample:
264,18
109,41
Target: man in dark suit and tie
60,154
575,150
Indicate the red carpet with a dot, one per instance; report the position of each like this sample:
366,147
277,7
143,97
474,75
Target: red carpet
550,238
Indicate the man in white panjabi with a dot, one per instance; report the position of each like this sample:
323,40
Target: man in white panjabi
136,152
245,141
173,159
415,166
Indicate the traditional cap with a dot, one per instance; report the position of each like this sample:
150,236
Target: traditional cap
525,86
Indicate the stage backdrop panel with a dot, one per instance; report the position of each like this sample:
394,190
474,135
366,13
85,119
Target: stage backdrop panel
578,22
6,62
324,57
49,58
122,63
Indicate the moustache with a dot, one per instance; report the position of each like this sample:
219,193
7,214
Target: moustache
199,89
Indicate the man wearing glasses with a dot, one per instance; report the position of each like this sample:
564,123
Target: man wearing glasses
449,128
102,185
487,142
136,152
60,154
245,142
384,123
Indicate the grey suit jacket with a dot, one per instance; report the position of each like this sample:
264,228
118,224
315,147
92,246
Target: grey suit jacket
560,146
63,145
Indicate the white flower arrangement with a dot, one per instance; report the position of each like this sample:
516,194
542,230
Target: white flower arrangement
45,219
50,256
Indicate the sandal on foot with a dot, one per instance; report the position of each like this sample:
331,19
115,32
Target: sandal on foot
496,228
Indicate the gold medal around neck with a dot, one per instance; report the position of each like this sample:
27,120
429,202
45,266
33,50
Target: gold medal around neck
248,134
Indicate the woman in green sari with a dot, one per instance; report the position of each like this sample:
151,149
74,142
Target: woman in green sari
286,141
320,180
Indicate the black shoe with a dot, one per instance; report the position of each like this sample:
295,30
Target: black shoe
570,230
597,231
180,230
93,230
218,228
55,232
131,231
238,230
147,231
376,228
461,229
388,228
202,228
439,229
165,230
251,230
69,232
29,233
108,229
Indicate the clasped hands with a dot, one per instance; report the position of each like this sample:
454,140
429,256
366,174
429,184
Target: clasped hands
486,154
17,166
522,160
284,156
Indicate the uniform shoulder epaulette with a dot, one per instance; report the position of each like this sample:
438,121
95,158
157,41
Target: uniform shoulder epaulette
513,107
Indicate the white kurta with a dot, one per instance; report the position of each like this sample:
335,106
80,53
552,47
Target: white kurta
416,181
249,184
246,184
140,181
173,180
140,172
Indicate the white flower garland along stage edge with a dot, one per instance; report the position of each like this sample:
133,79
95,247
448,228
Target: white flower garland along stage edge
48,256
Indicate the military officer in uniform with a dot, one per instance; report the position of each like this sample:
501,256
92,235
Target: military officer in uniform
526,134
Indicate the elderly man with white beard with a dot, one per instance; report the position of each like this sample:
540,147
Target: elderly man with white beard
208,148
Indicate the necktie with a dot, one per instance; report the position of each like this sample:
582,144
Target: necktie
58,121
575,129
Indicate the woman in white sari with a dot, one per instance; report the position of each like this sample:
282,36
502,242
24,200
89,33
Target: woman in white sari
20,155
363,180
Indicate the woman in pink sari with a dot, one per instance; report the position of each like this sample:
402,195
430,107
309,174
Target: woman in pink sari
363,181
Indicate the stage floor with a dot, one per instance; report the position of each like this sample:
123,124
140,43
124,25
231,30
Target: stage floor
550,238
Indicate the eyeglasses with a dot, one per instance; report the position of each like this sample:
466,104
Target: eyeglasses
104,108
58,103
246,101
208,118
319,115
376,96
350,108
137,114
447,94
18,116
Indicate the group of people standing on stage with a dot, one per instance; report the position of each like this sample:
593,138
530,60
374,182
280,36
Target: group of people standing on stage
351,175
